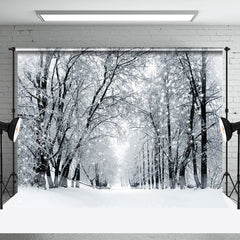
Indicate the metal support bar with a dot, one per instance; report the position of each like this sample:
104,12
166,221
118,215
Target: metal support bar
227,175
237,185
1,173
13,116
13,175
226,111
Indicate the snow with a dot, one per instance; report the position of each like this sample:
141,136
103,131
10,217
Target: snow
86,197
71,210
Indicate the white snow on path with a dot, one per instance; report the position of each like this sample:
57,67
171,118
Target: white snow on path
87,210
85,197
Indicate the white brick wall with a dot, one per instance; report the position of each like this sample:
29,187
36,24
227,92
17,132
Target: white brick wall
119,36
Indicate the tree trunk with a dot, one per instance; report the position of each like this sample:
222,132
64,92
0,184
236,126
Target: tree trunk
77,184
163,167
203,125
141,172
176,160
64,174
152,170
156,163
172,179
195,173
49,178
159,162
76,176
144,168
97,180
56,183
190,142
182,180
140,176
149,168
92,182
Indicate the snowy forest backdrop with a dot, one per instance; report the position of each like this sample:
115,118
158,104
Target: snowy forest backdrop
141,118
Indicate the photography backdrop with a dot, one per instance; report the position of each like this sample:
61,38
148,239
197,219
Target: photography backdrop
140,118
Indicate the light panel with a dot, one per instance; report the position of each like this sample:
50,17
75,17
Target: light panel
16,132
117,16
222,129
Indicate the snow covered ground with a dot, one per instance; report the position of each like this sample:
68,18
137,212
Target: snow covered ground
86,197
87,210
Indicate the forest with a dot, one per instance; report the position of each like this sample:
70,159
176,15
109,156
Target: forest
134,117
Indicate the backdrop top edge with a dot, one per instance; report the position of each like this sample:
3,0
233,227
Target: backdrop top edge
153,49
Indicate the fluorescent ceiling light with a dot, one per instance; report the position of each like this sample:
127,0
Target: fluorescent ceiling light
117,16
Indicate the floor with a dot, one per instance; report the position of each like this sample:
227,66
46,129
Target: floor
40,219
87,197
119,236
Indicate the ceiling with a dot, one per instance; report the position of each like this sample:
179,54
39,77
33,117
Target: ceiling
218,12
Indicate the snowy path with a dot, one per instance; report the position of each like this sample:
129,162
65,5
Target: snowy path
147,211
86,197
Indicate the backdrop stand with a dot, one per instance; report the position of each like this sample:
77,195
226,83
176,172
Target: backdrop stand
238,172
13,175
237,185
2,185
227,175
12,129
1,173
